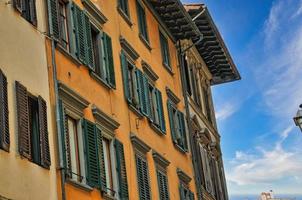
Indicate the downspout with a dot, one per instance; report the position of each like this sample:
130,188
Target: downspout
186,101
57,109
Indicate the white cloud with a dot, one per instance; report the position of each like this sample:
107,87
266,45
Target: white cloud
226,111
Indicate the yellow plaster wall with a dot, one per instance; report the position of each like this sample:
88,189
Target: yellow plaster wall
23,58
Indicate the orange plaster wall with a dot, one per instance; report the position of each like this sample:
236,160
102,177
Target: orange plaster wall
113,102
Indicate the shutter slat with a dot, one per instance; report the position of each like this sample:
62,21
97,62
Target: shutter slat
92,157
171,120
124,65
4,125
79,22
142,93
88,46
183,130
23,121
53,8
109,60
143,178
121,170
160,110
101,159
45,153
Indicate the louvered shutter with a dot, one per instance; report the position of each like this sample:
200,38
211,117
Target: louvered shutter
191,195
79,22
19,5
91,153
23,121
141,91
101,159
4,125
121,170
162,186
161,116
171,120
43,127
54,18
182,192
88,45
143,178
109,59
33,12
124,65
198,159
182,128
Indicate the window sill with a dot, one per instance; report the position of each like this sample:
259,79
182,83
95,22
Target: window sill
168,68
145,42
80,185
69,55
180,148
125,16
156,129
100,80
108,197
136,111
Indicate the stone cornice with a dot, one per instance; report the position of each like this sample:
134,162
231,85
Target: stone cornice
139,144
160,160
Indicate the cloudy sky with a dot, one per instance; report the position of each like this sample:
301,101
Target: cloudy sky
262,148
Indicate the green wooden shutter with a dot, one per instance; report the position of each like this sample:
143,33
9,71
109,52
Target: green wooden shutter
44,140
162,186
191,195
89,48
19,5
171,120
182,129
161,116
101,159
23,121
108,57
182,192
4,125
121,170
124,65
146,93
143,178
33,12
142,23
92,157
64,137
140,78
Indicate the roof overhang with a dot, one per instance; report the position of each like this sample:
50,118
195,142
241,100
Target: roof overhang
212,48
176,19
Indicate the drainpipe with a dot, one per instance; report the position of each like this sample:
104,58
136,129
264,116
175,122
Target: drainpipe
181,54
57,109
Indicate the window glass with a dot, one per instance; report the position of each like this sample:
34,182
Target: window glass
63,24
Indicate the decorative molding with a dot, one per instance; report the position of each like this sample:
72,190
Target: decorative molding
172,96
72,100
128,48
160,160
139,144
94,11
149,71
183,176
103,119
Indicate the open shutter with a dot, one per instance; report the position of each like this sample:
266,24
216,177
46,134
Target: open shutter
163,186
182,128
161,116
101,159
4,127
109,59
143,178
33,12
191,195
171,120
92,157
44,141
19,5
88,37
182,192
141,91
121,170
54,18
23,121
124,66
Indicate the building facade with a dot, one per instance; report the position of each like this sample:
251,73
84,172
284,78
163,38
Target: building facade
110,100
27,164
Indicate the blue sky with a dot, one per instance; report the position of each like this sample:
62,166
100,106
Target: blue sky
262,149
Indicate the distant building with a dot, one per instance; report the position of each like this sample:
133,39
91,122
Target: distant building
270,196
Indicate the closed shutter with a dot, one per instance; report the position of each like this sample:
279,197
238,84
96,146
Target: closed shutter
191,195
33,12
182,192
141,91
109,59
23,121
146,93
44,141
4,127
162,186
143,178
171,120
197,158
101,159
182,128
161,116
142,21
89,48
92,157
121,170
124,65
53,13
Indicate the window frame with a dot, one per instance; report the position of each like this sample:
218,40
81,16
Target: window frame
165,51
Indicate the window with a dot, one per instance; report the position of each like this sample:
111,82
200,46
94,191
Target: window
187,74
123,5
4,125
27,8
32,127
164,50
143,178
162,182
64,38
207,105
206,168
185,192
108,166
177,126
142,23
